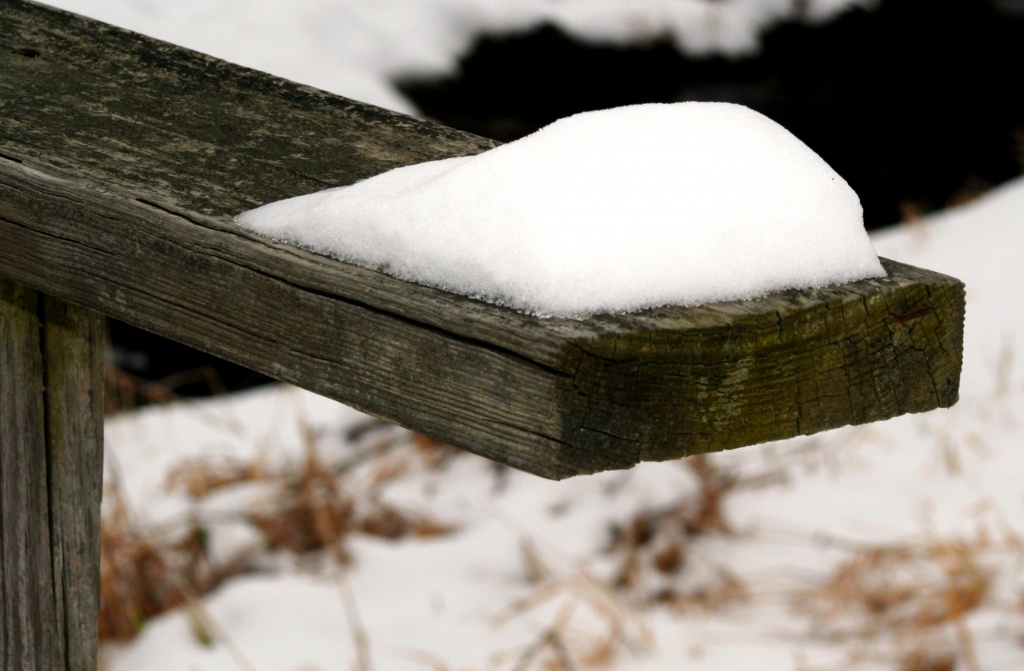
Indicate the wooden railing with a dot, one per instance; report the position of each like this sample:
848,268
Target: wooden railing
122,162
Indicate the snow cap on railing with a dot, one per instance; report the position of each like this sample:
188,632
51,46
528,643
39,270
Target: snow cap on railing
609,211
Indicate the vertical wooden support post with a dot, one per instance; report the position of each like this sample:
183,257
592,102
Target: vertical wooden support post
51,461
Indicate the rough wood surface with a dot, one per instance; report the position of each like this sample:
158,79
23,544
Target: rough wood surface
123,159
51,419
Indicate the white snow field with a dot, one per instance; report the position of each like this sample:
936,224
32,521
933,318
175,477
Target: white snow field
923,505
607,211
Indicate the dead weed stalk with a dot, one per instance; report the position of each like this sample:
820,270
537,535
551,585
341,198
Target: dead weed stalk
570,642
312,507
651,550
903,595
144,574
315,505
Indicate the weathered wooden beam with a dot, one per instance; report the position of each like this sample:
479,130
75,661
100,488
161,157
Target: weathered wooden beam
123,159
51,462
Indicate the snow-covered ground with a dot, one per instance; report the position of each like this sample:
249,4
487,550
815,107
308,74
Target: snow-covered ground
842,549
531,556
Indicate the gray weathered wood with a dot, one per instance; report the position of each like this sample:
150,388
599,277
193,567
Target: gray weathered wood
122,160
51,418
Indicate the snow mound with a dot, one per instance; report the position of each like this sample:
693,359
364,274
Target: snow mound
609,211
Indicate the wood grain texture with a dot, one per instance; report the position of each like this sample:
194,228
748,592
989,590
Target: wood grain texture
123,159
51,414
73,351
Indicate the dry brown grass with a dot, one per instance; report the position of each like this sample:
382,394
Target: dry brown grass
596,621
651,550
903,587
144,574
927,660
592,626
312,508
316,505
905,597
125,391
315,510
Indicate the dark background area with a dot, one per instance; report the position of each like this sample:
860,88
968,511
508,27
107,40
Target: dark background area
916,103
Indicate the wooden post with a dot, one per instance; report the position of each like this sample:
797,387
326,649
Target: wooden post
51,456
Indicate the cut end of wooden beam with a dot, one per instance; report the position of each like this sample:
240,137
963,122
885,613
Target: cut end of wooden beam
676,382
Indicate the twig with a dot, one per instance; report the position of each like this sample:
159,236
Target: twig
355,625
217,633
549,638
